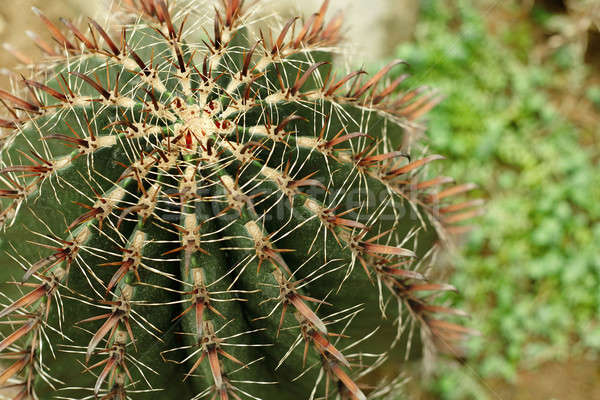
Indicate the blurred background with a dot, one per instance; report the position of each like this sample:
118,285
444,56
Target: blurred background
521,118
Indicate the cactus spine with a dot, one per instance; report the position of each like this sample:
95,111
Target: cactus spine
195,207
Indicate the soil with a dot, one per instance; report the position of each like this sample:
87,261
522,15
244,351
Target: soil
569,380
16,17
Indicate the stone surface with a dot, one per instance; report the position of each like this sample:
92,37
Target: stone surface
373,27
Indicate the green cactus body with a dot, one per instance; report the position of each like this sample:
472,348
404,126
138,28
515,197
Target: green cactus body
218,217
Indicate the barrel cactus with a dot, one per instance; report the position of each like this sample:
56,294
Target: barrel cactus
195,203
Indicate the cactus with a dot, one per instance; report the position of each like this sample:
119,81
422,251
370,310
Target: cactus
193,206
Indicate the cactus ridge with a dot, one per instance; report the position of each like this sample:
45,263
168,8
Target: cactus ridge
192,199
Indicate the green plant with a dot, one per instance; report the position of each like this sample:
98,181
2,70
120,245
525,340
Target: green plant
214,208
529,274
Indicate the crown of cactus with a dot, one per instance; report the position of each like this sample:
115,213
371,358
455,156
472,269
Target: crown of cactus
193,206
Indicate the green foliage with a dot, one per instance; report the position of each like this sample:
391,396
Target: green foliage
531,271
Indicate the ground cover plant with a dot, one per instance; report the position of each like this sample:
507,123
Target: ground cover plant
531,271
